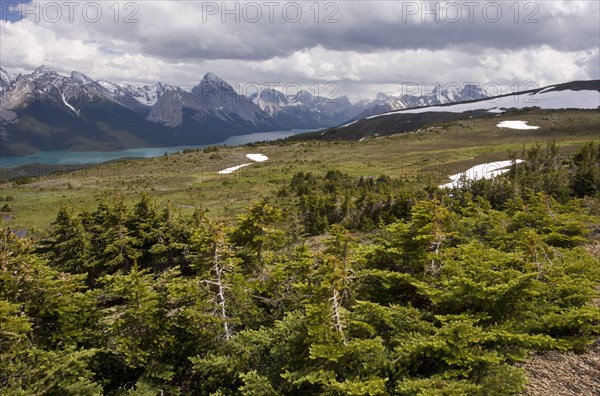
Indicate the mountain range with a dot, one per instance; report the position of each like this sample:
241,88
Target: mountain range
45,110
439,95
48,111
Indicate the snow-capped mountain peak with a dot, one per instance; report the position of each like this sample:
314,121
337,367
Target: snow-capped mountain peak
304,97
211,84
381,96
137,97
271,101
473,92
81,78
6,80
212,77
108,85
40,71
5,75
271,96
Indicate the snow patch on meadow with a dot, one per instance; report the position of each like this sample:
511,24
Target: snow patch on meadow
257,157
516,125
232,169
481,171
253,157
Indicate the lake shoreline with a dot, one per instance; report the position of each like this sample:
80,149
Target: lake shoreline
82,158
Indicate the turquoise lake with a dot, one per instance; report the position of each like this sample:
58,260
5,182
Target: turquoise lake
89,157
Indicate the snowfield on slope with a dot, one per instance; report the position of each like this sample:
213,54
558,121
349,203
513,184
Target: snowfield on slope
566,99
481,171
516,125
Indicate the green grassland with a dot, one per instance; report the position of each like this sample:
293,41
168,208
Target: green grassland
191,180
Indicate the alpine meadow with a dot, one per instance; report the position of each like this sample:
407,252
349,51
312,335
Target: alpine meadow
367,198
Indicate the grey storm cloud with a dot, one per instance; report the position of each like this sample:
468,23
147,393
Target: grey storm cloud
363,46
370,26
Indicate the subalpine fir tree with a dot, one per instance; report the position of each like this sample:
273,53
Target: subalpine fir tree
67,245
255,230
114,246
586,180
138,328
219,269
48,324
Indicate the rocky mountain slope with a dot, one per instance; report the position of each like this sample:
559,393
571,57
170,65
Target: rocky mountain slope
6,80
139,98
304,110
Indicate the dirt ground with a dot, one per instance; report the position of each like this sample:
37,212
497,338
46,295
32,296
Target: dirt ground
557,374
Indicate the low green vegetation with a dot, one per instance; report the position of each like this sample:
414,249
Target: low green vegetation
332,282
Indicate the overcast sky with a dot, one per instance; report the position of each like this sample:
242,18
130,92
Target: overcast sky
357,48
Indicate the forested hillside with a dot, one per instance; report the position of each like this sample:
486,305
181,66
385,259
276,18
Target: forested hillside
334,285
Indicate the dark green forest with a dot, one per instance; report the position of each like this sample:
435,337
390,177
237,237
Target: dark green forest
333,286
